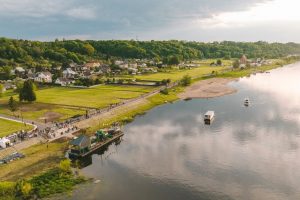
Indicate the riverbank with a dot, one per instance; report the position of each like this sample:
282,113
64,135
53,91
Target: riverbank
214,87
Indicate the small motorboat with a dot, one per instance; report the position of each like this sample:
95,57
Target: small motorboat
246,102
209,116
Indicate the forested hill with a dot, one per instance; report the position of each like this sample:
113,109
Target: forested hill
36,53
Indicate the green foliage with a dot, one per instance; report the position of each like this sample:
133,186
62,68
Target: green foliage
219,62
186,80
236,64
27,93
5,72
13,105
65,166
23,189
44,54
2,90
53,182
165,91
7,190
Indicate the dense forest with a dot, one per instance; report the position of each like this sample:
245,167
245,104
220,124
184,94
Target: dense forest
45,54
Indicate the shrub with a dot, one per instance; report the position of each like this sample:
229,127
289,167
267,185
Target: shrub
186,80
165,91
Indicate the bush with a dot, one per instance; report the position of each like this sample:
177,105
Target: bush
165,91
186,80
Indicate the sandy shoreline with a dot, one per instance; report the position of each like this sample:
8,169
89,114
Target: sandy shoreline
209,88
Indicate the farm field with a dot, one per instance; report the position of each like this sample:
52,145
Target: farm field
8,127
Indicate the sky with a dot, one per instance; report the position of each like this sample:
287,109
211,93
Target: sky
192,20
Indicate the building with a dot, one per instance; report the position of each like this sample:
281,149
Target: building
69,73
64,81
243,60
43,77
80,145
92,65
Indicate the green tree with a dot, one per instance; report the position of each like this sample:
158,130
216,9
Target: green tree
89,49
236,64
219,62
27,93
13,105
5,72
23,189
2,90
174,60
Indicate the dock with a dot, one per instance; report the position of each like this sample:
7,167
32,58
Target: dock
84,145
102,144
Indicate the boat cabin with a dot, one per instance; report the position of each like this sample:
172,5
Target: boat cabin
209,115
80,145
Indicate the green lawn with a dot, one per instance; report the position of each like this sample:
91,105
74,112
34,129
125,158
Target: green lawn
176,75
97,97
8,127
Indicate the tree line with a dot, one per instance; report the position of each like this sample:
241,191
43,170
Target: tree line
61,52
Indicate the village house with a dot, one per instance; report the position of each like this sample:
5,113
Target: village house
91,65
19,71
133,71
69,73
75,67
123,66
133,65
30,75
105,69
64,81
43,77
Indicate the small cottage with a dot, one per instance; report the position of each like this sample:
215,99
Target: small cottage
80,145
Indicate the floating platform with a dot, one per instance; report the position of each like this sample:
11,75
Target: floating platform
83,145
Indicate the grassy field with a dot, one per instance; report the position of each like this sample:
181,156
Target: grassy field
8,127
97,97
38,158
58,103
176,75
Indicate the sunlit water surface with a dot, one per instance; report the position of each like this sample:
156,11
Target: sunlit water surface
247,153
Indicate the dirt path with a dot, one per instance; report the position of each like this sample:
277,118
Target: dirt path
209,88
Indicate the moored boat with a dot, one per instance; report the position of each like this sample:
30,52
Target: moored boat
209,116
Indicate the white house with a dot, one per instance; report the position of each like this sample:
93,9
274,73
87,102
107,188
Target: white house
133,65
4,143
20,70
123,66
64,81
69,73
43,77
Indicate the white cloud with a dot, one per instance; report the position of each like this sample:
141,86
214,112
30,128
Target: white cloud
82,13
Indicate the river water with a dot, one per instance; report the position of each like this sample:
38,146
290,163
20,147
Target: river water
247,153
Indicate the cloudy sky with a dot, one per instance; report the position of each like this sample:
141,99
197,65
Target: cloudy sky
199,20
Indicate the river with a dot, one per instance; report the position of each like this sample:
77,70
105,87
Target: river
247,153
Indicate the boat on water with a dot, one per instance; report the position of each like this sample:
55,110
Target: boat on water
85,145
209,116
246,102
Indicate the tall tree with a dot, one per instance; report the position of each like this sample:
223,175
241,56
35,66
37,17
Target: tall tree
27,93
13,105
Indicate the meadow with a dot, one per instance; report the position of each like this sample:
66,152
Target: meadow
176,74
7,127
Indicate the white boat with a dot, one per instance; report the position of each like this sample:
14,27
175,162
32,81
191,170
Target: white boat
209,116
246,102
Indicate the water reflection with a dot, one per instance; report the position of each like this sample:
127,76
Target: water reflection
246,153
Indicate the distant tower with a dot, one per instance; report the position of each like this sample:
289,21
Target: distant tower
243,60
